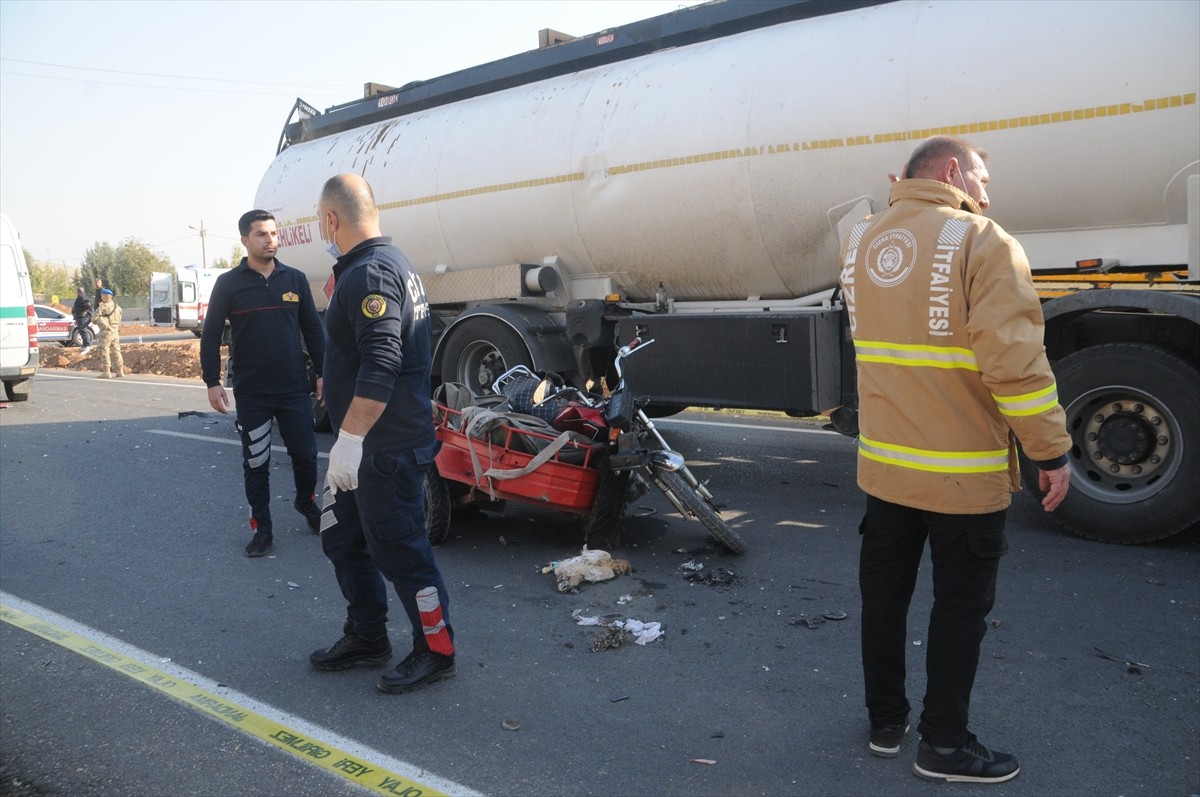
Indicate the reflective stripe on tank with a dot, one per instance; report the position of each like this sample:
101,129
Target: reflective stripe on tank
1028,403
914,355
934,461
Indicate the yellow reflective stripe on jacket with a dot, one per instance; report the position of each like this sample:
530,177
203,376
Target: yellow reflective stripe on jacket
934,461
914,355
1028,403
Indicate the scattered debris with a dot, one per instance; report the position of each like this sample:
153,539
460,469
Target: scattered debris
718,576
511,724
624,599
808,622
706,761
1134,667
995,622
608,639
293,585
835,615
619,699
643,633
588,566
644,511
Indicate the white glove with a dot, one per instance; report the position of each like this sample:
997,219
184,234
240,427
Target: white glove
344,459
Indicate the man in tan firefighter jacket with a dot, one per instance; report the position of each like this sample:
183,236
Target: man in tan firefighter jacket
947,334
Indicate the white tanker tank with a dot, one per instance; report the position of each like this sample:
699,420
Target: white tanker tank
713,155
717,168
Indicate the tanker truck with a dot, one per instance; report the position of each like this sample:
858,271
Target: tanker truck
688,178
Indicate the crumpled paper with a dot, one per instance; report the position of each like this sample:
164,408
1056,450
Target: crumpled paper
643,632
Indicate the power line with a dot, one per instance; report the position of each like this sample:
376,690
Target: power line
178,77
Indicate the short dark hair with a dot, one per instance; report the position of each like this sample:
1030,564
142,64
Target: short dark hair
932,151
249,217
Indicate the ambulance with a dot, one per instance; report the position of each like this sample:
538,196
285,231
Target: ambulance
18,322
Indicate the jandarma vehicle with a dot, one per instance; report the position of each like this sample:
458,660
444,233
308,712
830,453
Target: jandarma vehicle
56,326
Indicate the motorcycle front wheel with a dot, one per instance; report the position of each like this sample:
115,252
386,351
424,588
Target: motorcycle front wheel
675,485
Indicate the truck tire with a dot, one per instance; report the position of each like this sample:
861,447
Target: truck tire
437,507
1133,412
479,350
700,509
18,390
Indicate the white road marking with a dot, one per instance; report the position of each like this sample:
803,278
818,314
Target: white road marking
793,429
206,439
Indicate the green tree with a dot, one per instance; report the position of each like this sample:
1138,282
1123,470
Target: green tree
46,279
99,263
126,268
235,257
135,262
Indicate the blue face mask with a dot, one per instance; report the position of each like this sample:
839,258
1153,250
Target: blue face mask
332,249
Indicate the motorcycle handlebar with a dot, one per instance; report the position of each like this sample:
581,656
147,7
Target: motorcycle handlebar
628,349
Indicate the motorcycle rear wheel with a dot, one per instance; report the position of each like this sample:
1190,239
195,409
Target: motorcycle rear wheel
603,526
697,507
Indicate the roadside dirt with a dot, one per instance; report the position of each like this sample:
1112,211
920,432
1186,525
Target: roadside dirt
179,358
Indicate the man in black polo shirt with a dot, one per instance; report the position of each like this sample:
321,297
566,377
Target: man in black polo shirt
271,313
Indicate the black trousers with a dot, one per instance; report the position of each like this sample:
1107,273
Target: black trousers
965,551
378,532
254,420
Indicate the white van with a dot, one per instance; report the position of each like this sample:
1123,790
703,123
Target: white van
18,322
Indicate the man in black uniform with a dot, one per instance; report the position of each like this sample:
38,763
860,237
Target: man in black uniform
270,310
373,526
82,312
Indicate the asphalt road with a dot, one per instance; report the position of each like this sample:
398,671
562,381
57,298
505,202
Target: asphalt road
121,527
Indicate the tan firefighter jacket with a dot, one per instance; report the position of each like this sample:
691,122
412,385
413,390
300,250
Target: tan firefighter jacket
947,334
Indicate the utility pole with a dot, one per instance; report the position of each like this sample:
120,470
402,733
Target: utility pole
203,252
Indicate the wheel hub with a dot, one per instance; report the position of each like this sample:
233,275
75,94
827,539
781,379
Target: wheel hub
1127,440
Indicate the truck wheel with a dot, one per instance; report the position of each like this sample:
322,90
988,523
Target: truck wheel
479,350
437,507
18,391
1133,412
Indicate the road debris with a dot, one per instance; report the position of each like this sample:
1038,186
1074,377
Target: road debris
590,566
1134,667
712,577
643,633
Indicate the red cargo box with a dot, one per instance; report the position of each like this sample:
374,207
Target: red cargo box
556,483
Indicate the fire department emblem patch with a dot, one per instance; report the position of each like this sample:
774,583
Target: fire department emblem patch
291,297
891,257
374,305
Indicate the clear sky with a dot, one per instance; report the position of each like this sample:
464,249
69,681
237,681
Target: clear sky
144,119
